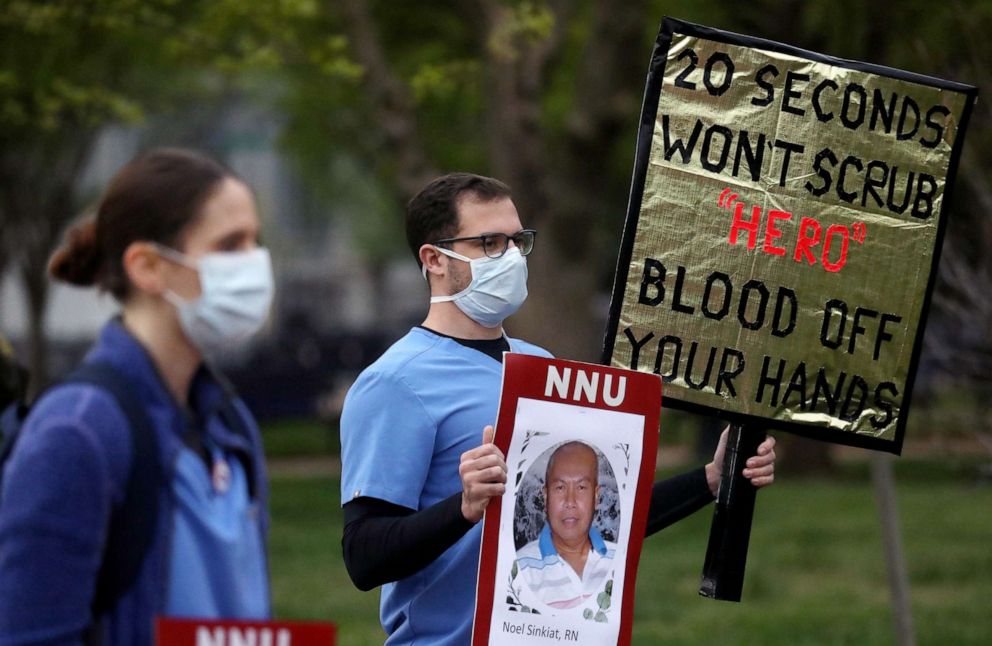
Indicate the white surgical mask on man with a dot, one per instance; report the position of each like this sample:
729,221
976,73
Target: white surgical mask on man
236,290
497,290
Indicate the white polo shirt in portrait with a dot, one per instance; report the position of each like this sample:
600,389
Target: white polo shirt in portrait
552,581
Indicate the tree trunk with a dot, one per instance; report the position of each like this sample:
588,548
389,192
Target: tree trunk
37,180
565,199
36,288
391,99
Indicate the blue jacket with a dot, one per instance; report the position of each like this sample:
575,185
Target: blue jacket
67,473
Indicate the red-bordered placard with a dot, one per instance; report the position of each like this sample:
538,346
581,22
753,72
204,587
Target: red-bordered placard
211,632
528,594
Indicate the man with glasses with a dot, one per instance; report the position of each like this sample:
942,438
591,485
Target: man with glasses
416,476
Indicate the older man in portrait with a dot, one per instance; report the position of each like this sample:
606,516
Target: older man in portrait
570,564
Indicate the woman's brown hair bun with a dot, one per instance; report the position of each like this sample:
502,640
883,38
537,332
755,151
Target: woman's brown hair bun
78,260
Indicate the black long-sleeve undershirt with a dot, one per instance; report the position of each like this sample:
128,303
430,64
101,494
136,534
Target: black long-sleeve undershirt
384,542
675,498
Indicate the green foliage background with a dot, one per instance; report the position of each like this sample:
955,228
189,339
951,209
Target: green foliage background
815,571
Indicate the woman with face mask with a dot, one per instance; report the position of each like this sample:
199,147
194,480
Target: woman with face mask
142,493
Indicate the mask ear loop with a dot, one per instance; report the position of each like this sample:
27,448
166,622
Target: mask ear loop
423,267
442,250
175,299
457,256
175,256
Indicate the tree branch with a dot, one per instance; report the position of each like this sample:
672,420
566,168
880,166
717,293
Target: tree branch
390,97
516,139
607,94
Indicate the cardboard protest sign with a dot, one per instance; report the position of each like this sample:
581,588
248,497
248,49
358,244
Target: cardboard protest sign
580,442
783,233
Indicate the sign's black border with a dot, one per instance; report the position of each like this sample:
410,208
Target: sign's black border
645,132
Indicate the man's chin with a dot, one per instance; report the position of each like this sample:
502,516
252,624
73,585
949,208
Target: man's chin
570,534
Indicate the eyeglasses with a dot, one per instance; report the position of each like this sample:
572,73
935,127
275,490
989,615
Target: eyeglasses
496,244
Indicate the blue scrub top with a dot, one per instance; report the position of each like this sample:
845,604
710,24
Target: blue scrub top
406,422
217,566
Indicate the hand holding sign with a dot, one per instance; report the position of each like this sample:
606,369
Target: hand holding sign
483,473
759,469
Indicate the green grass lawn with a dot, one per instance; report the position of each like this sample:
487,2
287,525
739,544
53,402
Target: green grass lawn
815,572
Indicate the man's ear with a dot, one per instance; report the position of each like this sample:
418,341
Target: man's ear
144,267
430,258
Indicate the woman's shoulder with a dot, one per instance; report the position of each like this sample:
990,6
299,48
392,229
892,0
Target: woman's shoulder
81,418
76,405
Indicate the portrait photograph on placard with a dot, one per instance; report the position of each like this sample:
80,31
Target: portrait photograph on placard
559,554
570,490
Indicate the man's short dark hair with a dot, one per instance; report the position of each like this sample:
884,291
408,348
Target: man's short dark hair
432,214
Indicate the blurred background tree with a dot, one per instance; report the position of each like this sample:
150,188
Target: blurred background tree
65,73
546,95
69,69
375,97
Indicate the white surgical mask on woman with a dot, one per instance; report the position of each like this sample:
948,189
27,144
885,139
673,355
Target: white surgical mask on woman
497,290
236,290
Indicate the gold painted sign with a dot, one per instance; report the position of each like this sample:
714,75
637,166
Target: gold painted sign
783,233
